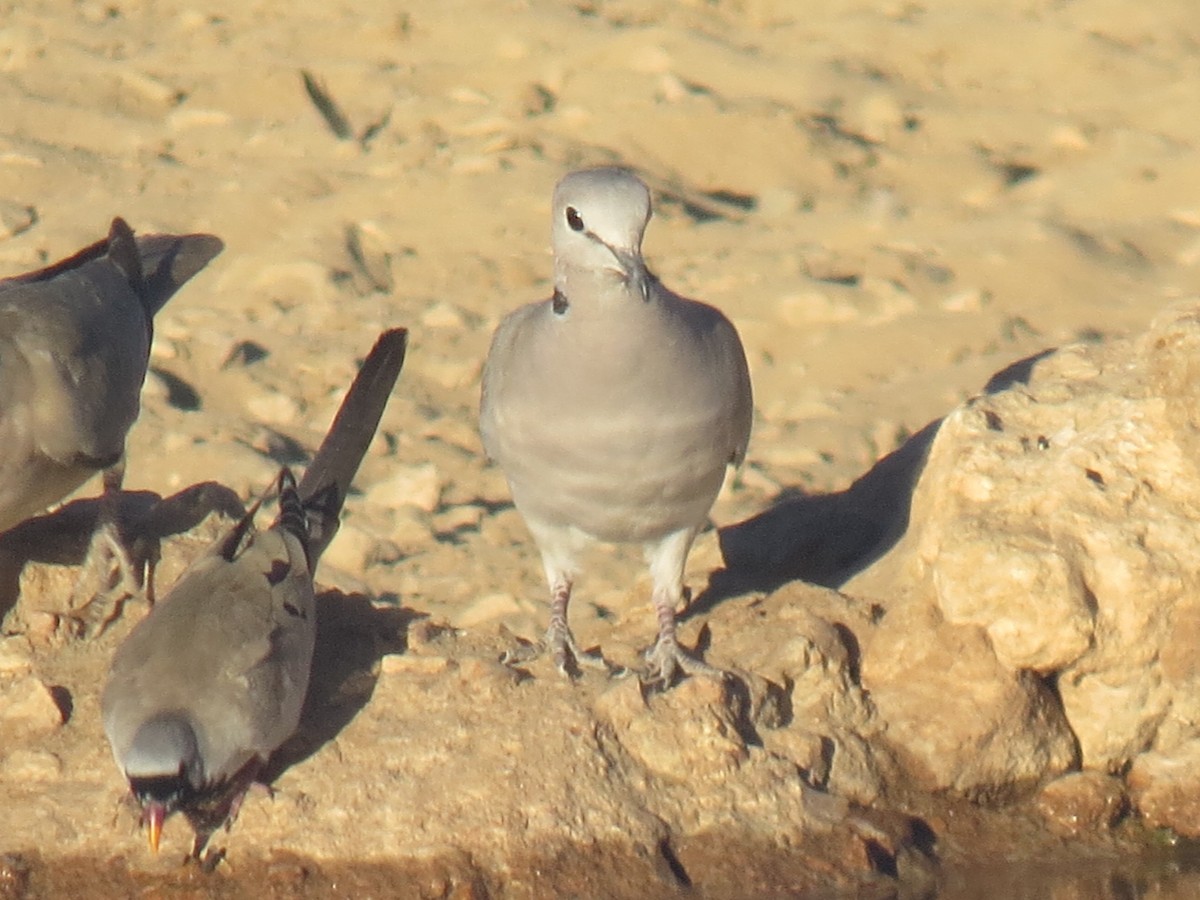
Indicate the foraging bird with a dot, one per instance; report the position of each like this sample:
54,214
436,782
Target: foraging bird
613,409
212,681
74,347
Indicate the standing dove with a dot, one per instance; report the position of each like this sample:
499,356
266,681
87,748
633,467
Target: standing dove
212,681
74,347
614,409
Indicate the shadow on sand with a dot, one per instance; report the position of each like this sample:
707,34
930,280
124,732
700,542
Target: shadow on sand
354,632
62,537
828,539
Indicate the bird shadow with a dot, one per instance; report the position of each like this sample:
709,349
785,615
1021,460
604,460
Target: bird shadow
145,519
820,539
353,635
828,539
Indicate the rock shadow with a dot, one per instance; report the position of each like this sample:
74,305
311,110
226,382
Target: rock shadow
826,540
353,635
145,519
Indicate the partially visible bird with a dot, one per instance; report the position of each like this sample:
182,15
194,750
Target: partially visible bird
74,347
212,681
613,409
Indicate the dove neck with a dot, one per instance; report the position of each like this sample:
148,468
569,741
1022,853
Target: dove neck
589,291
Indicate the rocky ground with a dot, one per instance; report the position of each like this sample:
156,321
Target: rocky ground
956,575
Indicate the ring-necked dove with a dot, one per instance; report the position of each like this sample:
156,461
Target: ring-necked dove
212,681
614,409
74,347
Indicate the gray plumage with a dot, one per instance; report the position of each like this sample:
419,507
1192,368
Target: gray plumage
74,346
614,407
212,681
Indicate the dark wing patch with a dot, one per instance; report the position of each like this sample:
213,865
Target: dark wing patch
279,571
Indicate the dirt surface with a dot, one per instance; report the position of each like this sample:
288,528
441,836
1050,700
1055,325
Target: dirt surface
891,201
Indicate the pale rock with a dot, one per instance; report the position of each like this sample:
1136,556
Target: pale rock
1031,602
409,530
1069,137
778,203
443,315
453,372
26,764
1165,789
28,707
877,117
486,609
418,486
274,408
1083,802
504,528
16,657
16,218
185,118
685,735
1051,540
967,300
465,517
485,681
353,549
155,388
147,91
302,280
955,716
815,307
892,300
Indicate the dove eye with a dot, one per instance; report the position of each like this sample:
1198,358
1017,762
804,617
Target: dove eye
573,219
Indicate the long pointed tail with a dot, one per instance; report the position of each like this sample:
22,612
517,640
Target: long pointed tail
325,484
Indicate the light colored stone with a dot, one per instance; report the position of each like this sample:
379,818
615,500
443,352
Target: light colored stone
684,735
956,717
1059,518
26,765
486,609
418,486
27,707
443,315
274,408
1165,789
16,657
353,549
465,517
1083,802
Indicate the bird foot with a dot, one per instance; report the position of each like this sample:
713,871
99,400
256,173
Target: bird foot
106,580
667,661
568,657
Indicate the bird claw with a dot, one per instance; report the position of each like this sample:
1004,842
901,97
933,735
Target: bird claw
109,562
667,661
568,657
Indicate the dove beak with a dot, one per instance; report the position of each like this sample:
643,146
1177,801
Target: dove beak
629,267
152,816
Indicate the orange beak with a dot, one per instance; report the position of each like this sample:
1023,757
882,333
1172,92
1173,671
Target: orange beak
152,816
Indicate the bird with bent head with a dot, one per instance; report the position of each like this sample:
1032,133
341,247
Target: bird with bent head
205,688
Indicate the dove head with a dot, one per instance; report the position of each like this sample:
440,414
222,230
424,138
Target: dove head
599,218
164,769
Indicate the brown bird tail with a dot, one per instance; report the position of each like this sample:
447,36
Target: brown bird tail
325,484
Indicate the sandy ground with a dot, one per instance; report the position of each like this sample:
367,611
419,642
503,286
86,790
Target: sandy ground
891,201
